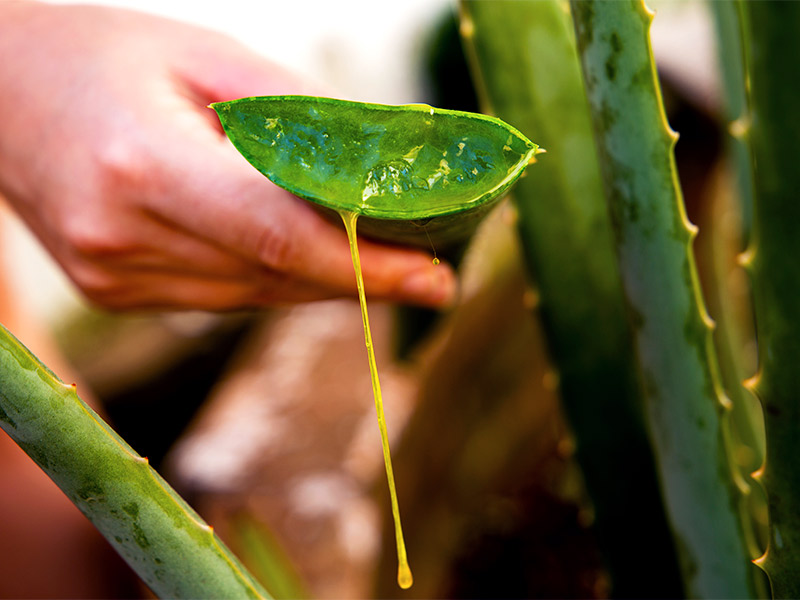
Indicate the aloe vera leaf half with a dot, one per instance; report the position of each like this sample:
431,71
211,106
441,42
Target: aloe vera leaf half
413,173
686,408
168,545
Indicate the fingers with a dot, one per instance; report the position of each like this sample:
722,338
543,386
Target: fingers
228,203
171,291
228,237
173,270
149,245
166,276
231,239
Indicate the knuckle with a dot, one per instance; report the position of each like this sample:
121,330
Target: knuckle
122,164
92,238
276,249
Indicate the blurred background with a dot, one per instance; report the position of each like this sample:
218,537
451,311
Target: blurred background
265,421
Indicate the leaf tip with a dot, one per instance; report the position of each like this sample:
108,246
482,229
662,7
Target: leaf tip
534,153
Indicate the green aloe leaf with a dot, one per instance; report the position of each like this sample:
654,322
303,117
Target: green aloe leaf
168,545
524,57
687,412
396,167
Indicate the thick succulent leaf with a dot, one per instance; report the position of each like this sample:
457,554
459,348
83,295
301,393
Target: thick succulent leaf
524,58
395,163
685,407
162,539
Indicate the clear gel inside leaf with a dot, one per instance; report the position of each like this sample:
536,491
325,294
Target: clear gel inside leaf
388,162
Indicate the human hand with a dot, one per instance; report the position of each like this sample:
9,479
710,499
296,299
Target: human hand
108,152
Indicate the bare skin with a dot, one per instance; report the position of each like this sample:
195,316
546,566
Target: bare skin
108,152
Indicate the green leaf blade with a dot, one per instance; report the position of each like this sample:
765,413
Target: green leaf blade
524,55
686,410
395,163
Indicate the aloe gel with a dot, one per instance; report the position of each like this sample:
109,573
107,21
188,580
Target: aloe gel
414,174
404,577
411,174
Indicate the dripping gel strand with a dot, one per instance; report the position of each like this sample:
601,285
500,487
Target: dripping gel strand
404,577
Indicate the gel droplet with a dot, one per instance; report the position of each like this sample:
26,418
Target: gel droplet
404,577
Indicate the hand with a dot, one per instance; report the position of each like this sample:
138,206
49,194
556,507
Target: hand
108,152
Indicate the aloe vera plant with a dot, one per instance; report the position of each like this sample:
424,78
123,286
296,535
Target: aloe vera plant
524,58
772,61
686,407
140,515
422,176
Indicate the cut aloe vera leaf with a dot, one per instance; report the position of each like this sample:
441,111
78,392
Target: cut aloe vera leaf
413,174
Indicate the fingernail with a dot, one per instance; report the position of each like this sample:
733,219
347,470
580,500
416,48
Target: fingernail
432,286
